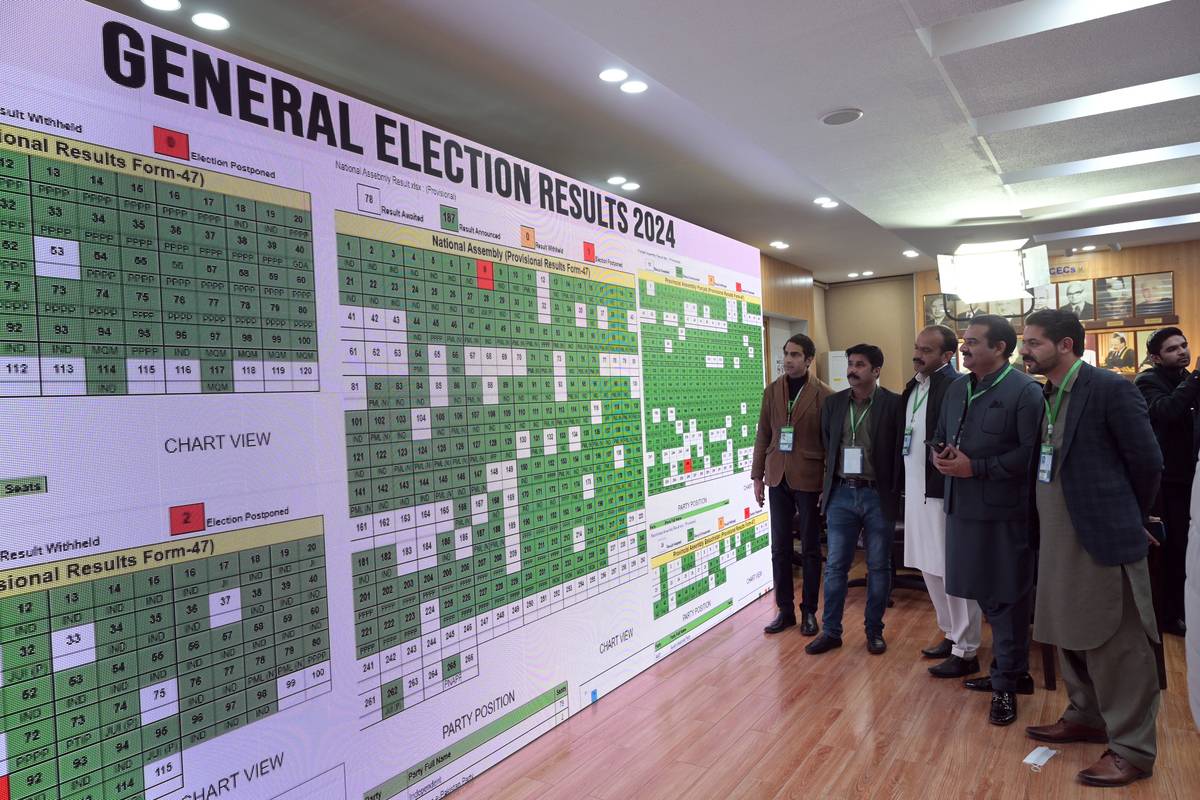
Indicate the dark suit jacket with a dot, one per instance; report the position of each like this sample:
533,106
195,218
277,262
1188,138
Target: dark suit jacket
1172,398
885,442
1109,465
935,484
1000,435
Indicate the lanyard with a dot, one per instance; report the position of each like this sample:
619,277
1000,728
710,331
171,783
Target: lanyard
972,394
1052,416
921,397
854,423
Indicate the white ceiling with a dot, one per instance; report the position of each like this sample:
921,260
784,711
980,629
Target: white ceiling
729,137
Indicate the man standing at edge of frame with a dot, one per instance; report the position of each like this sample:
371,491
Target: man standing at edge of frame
858,426
924,509
789,457
1098,471
1172,395
985,446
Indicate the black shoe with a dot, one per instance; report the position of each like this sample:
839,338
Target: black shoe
1175,627
1004,708
875,644
941,650
783,620
809,626
984,684
821,644
955,667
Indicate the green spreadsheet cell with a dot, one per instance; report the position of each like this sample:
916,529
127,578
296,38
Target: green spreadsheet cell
709,340
108,680
116,284
493,442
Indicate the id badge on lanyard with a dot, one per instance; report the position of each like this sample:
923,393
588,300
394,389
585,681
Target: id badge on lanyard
1046,464
906,448
786,437
852,460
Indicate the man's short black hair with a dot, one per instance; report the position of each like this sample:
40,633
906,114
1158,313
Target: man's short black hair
998,330
1159,338
1058,325
949,337
872,353
804,343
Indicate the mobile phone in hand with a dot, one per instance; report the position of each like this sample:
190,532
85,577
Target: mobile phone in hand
937,446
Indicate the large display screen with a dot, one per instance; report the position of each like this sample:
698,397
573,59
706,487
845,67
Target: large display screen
341,456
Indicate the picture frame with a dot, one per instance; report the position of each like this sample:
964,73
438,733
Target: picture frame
1154,294
937,309
1114,297
1078,297
1117,351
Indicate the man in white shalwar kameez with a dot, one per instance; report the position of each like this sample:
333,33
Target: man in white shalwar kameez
924,517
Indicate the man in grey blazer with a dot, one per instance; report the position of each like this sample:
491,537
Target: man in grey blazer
985,445
1098,471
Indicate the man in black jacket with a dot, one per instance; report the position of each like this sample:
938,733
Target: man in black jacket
924,514
858,426
1172,394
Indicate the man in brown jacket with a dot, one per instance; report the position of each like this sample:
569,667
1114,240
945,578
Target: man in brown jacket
789,456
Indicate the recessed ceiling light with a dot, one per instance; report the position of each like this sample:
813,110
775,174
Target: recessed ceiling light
163,5
631,186
210,21
616,180
843,116
868,274
1087,248
634,87
830,204
822,200
911,254
973,248
852,275
613,75
778,245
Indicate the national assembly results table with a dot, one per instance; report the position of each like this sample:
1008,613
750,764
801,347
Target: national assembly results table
144,276
114,664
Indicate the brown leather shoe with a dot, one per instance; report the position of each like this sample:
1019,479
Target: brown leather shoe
1063,732
1112,770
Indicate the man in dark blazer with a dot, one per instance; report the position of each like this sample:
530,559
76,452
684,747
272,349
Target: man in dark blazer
858,426
789,457
924,514
1098,473
989,429
1172,393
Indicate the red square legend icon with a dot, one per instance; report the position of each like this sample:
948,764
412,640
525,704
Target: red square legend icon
171,143
589,252
187,519
485,275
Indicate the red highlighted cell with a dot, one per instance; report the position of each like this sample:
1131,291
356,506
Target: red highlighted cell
589,252
184,519
747,512
485,275
4,787
739,285
171,143
687,466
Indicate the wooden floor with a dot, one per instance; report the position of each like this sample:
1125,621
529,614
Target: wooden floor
738,714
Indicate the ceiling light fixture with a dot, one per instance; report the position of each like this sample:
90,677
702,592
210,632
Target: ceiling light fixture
630,186
210,21
163,5
1087,248
634,87
852,275
613,75
822,200
616,180
910,254
831,204
778,245
868,273
842,116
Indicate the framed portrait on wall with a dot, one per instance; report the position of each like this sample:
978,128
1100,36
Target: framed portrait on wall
967,311
1089,348
1078,298
1154,294
1144,363
1011,310
1114,298
1117,351
1044,297
938,308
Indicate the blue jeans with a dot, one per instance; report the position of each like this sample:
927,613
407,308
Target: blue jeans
848,512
